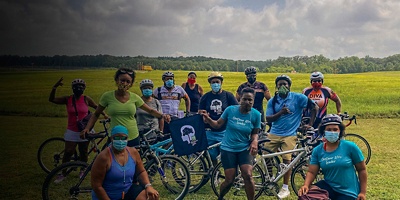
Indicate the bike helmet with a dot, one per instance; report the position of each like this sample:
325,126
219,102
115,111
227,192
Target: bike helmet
317,76
167,74
215,75
331,119
78,82
146,82
283,77
250,70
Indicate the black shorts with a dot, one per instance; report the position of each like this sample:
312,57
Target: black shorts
134,191
233,159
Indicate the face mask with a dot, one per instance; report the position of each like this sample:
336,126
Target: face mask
283,90
78,91
215,87
147,92
119,144
316,85
169,83
123,86
251,80
331,136
191,81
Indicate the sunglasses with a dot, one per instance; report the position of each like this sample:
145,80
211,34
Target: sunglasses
120,137
126,72
319,81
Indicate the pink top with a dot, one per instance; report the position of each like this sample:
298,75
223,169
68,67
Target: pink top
82,109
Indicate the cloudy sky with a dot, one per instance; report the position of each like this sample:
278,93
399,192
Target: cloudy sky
231,29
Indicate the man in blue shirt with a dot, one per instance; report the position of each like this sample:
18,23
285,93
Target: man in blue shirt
285,111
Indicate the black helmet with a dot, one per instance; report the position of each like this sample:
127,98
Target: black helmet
250,70
146,82
331,119
167,74
283,77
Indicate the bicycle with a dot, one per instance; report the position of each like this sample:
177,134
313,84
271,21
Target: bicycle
73,185
271,168
51,151
166,170
360,141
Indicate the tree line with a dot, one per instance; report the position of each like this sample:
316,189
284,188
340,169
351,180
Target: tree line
303,64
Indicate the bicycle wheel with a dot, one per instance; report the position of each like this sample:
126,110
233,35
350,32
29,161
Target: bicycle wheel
70,186
362,143
171,173
298,176
198,170
51,153
218,176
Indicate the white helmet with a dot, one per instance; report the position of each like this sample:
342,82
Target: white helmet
78,82
167,74
146,82
317,76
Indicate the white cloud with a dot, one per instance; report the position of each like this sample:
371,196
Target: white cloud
251,30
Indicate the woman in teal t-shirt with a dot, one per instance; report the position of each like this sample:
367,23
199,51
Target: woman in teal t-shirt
340,161
121,106
240,142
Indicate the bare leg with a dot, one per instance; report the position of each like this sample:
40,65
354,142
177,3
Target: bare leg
228,182
248,180
287,175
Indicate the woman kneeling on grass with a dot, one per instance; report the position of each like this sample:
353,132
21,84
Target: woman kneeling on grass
240,142
114,169
339,161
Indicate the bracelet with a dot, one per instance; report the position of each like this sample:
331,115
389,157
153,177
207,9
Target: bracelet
147,185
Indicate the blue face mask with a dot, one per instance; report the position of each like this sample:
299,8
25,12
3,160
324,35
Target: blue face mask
215,87
169,83
147,92
331,136
119,144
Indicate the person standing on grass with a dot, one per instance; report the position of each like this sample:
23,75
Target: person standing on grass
285,111
340,161
170,96
121,105
144,118
321,95
240,142
77,108
214,103
194,91
259,87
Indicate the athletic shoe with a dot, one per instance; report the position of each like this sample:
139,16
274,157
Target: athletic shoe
283,193
59,178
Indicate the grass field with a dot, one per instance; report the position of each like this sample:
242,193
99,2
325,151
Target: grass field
27,119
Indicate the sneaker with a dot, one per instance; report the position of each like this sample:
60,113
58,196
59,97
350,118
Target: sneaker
59,178
283,193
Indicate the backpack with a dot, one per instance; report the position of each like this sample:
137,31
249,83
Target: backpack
315,194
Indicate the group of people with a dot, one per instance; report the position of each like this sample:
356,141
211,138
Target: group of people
233,120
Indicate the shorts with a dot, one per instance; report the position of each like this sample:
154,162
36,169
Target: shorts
233,159
332,194
72,136
284,142
134,191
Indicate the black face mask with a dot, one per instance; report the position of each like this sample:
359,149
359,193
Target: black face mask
251,80
78,91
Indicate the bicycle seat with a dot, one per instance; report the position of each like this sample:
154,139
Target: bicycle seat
95,136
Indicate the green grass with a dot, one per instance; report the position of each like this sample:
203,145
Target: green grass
22,177
369,95
25,94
